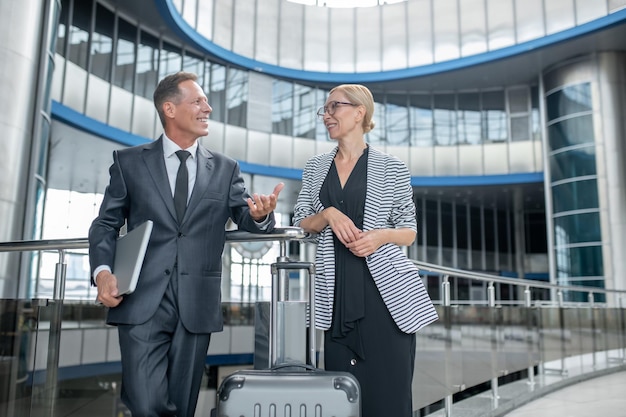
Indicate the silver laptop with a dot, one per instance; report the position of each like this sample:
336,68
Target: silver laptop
129,254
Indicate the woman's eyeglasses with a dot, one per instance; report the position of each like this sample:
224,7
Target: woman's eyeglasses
331,107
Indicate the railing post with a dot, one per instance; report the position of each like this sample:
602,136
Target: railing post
594,346
491,300
623,329
54,336
447,322
529,338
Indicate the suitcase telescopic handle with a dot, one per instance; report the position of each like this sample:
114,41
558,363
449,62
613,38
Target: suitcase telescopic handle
291,266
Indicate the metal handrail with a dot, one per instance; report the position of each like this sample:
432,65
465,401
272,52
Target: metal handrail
281,234
479,276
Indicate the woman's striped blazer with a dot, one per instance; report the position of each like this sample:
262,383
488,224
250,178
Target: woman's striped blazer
388,204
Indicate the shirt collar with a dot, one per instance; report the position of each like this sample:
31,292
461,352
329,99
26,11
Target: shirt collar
170,148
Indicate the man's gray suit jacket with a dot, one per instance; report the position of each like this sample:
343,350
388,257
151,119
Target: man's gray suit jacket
138,191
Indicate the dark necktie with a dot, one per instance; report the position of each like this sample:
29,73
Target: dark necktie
182,183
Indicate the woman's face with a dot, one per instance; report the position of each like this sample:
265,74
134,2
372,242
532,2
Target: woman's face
341,117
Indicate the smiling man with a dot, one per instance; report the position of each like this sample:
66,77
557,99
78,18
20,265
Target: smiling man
189,193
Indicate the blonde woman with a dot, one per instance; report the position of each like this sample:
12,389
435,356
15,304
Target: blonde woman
370,300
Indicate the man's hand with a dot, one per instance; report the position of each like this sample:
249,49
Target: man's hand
107,289
262,205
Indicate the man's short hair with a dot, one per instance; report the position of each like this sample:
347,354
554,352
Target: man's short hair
167,90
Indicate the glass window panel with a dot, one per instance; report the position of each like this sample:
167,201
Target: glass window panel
397,122
494,116
469,120
378,135
237,97
445,13
223,20
421,120
282,107
588,10
461,226
342,47
573,163
205,19
170,60
420,36
447,222
102,44
569,100
520,128
490,230
445,119
194,64
501,28
476,229
579,262
394,37
189,11
504,234
124,71
577,228
316,39
576,195
368,37
290,35
217,92
266,36
571,132
79,34
559,15
305,105
147,65
321,134
62,28
430,217
536,238
243,37
530,22
473,27
519,99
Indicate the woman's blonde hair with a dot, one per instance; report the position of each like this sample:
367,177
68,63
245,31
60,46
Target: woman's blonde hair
359,94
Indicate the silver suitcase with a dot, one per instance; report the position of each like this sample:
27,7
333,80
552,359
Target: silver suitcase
291,388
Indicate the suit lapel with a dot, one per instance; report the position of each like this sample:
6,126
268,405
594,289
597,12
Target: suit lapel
153,157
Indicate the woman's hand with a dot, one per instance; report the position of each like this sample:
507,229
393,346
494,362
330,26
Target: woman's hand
342,226
367,243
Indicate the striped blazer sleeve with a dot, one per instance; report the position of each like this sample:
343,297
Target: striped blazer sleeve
389,204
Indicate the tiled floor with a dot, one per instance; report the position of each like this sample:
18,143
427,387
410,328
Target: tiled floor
603,396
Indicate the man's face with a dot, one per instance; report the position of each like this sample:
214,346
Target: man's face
191,113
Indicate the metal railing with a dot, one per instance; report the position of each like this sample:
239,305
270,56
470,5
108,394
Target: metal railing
540,335
281,234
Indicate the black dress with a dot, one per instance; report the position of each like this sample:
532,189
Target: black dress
363,338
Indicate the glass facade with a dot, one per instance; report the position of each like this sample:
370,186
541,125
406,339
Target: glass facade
576,206
474,235
133,59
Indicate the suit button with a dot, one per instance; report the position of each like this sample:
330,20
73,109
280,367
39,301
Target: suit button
352,361
167,272
180,235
